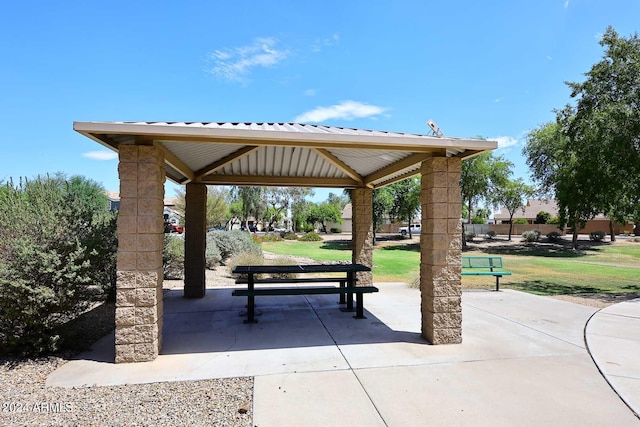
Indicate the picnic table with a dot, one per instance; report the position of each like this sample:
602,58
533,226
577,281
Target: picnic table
346,279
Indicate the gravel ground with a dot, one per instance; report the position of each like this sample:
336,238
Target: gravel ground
25,401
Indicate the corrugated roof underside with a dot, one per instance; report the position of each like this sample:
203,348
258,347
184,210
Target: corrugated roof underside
282,161
198,156
368,161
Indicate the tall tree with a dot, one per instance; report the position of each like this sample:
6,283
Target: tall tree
323,213
479,175
512,195
560,175
382,205
280,199
252,202
217,206
406,199
604,126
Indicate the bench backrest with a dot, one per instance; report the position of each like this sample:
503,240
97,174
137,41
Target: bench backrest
489,262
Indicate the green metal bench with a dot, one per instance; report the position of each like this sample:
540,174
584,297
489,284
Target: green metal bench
484,266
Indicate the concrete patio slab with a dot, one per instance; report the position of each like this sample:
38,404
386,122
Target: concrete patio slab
522,361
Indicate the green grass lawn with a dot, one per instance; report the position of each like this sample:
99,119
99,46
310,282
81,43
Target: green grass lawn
607,268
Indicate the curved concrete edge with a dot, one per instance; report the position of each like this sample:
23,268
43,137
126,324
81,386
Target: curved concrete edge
612,338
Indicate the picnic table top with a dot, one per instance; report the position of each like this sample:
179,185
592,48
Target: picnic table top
308,268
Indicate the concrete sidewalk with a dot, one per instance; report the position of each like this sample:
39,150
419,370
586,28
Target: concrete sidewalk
523,361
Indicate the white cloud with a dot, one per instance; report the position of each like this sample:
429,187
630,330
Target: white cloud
549,58
319,44
505,141
236,64
100,155
310,92
566,4
345,110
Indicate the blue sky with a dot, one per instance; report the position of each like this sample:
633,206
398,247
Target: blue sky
494,69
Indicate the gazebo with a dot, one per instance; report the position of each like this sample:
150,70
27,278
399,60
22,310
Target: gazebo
197,154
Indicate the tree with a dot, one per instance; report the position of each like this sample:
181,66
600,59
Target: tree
252,202
603,129
559,173
479,175
323,213
406,199
512,195
382,205
280,199
299,213
217,206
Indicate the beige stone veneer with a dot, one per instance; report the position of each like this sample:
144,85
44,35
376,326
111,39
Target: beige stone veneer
441,251
140,239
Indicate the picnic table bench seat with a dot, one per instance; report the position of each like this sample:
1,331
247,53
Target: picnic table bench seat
484,266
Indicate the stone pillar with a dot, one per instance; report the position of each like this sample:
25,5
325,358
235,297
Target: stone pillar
441,251
140,240
362,233
195,231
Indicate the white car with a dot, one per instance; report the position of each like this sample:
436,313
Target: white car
415,229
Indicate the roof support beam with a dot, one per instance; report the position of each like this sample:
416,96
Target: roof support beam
398,178
218,164
341,165
394,168
284,181
176,163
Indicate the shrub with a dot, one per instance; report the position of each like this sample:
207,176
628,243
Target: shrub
553,220
553,237
542,217
271,237
491,234
531,235
477,220
597,236
58,250
212,255
173,257
245,258
336,230
230,243
469,236
520,221
311,236
290,235
283,261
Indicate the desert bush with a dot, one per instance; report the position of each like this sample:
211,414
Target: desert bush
230,243
290,236
477,220
283,261
491,234
212,256
311,236
597,236
520,221
469,236
553,237
271,237
58,249
531,235
244,258
173,257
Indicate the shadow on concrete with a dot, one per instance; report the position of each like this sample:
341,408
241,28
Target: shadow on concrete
214,324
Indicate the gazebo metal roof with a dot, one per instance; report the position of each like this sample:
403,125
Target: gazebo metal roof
282,154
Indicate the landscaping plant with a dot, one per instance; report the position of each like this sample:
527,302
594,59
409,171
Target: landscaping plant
58,250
